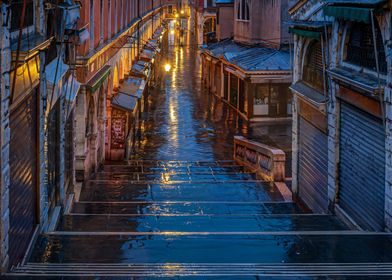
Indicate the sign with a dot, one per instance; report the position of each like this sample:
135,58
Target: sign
119,122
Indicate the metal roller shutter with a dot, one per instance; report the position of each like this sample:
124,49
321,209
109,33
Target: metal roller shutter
362,167
23,182
313,167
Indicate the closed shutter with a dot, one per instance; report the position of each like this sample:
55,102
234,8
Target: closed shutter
313,167
23,181
362,167
69,153
53,154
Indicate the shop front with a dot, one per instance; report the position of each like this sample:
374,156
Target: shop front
127,105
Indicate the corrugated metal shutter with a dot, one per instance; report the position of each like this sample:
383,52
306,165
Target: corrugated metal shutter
53,154
313,167
23,182
362,167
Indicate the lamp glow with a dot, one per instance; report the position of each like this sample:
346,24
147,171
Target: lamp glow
167,67
176,15
182,12
172,32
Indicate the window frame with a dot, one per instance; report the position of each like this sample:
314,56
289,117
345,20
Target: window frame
243,10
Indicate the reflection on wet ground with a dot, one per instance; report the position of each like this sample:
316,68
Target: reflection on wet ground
182,208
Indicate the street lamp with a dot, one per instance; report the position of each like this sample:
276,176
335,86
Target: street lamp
182,12
167,67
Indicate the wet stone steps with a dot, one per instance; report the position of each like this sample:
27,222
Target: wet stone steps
189,191
186,208
221,248
201,223
208,270
157,219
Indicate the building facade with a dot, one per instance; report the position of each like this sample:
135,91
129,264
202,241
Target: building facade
341,115
62,63
250,68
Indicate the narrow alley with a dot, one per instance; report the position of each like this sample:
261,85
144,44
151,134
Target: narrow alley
182,207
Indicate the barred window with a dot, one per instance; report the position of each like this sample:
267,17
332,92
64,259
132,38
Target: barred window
313,67
360,47
243,9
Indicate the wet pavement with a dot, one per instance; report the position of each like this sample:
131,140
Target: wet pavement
182,208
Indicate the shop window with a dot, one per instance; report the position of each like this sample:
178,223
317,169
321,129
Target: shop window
261,100
16,11
360,47
243,9
233,90
313,68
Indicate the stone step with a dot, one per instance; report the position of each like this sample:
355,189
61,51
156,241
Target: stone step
213,191
202,223
283,248
171,163
121,169
238,270
186,208
174,177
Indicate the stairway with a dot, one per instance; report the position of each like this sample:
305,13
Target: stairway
170,219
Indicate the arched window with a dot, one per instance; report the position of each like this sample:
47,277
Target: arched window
360,48
313,67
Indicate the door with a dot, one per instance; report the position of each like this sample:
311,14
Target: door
313,167
23,180
362,167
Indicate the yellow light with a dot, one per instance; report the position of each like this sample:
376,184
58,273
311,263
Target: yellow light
172,32
182,12
167,67
176,15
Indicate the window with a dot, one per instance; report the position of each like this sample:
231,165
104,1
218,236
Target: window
313,73
360,48
16,14
243,9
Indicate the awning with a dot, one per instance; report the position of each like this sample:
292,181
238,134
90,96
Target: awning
141,68
305,33
97,80
55,72
133,86
356,3
125,102
147,55
71,90
348,13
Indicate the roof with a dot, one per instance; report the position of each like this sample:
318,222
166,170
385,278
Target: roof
366,3
222,47
260,59
250,58
224,2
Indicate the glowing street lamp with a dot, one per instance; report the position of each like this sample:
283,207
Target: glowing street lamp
167,67
176,15
172,32
182,12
